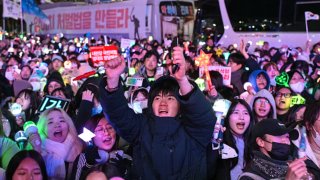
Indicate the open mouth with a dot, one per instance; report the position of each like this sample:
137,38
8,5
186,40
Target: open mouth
57,134
282,102
240,125
163,111
262,110
107,141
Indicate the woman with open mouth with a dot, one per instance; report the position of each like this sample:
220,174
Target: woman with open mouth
103,151
263,105
238,125
59,143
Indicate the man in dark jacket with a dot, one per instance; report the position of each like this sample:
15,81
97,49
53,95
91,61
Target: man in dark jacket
169,143
271,156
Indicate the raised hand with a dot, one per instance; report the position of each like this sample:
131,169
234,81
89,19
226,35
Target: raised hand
87,95
114,68
178,58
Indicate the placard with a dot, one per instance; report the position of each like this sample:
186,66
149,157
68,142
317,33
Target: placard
50,102
103,53
127,43
224,71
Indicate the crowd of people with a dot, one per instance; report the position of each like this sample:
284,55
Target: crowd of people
144,114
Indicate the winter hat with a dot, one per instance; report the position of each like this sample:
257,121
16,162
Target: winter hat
54,76
57,57
253,79
291,73
19,85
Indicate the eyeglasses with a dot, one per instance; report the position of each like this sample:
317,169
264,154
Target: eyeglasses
264,101
286,95
101,130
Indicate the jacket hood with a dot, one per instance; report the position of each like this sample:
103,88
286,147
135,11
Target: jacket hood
253,79
265,94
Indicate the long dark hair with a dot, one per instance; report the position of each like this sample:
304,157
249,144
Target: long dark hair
19,157
34,103
228,136
311,115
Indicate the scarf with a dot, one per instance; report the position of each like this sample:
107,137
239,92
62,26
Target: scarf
59,153
269,168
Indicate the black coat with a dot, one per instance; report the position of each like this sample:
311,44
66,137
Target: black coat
164,148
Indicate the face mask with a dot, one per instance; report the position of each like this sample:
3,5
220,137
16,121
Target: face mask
297,87
138,106
9,76
160,51
279,151
273,81
72,48
35,86
96,110
317,138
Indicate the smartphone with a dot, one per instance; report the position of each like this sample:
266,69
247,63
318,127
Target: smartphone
247,47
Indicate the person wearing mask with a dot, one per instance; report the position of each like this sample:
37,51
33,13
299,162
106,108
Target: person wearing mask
270,153
171,141
297,83
272,70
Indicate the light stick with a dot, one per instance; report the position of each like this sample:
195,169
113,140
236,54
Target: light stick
203,60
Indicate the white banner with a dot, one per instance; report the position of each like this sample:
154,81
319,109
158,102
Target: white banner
127,43
12,9
118,20
223,70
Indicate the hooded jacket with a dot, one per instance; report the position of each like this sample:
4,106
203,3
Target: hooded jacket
253,79
164,148
265,94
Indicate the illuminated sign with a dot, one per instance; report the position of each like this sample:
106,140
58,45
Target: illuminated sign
50,102
170,8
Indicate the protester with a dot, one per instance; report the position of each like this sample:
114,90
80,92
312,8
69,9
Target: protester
311,122
263,105
8,148
27,165
283,81
283,97
178,129
59,142
271,151
104,149
238,125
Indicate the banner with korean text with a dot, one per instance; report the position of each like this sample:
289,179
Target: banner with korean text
224,71
118,20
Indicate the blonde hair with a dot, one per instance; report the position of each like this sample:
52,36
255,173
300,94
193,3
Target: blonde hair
43,126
